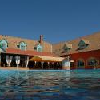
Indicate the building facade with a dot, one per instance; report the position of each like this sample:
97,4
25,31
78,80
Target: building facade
16,52
84,51
16,42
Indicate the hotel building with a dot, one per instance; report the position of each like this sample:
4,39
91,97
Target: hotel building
18,52
84,52
81,53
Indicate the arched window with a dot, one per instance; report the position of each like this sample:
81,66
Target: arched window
22,45
80,63
3,44
92,62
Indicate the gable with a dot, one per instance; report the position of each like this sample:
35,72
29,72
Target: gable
81,43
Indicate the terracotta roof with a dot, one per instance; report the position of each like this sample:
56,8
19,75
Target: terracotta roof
14,41
86,41
93,40
15,51
68,45
28,52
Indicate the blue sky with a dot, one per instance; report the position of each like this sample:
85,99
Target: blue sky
56,20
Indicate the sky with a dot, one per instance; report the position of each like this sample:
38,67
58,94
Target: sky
56,20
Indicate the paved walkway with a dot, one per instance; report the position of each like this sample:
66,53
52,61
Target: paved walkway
14,68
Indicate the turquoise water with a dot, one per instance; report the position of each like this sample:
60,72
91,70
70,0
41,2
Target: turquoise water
50,85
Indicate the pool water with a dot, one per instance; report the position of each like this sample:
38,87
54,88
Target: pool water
50,85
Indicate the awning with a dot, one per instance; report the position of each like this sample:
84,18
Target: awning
47,58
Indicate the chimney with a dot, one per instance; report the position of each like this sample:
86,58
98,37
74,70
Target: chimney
41,39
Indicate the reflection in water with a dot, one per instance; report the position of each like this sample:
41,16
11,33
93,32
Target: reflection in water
50,85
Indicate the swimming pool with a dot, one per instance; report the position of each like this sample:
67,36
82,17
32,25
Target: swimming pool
50,85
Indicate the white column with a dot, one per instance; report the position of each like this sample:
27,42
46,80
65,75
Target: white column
35,63
8,60
48,64
17,60
27,61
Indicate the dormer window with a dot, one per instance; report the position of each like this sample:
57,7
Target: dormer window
3,45
22,45
83,44
38,48
67,47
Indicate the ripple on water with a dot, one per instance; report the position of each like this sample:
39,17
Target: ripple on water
50,85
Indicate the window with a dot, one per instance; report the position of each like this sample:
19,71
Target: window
83,44
3,44
80,64
39,48
67,47
92,62
35,48
22,45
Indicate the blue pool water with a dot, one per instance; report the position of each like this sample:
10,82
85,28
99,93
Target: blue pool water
50,85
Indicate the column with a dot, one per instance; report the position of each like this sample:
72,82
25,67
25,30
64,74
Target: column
8,60
48,64
27,61
42,64
35,63
17,60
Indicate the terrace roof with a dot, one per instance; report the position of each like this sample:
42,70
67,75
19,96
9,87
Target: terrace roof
28,52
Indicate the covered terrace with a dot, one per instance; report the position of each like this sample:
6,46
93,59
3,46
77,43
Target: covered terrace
30,59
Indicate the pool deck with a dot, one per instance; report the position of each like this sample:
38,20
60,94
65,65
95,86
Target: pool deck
14,68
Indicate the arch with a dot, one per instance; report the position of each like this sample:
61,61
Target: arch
3,44
92,61
22,45
80,64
